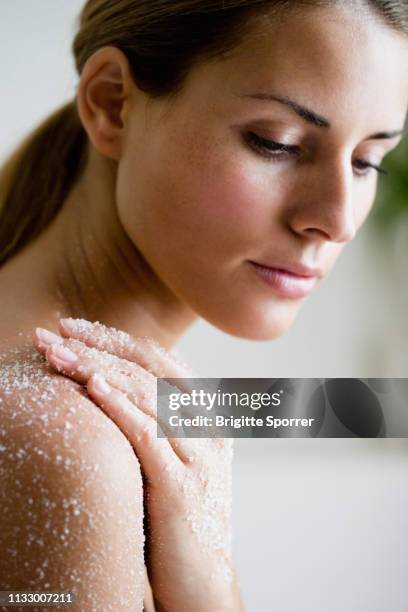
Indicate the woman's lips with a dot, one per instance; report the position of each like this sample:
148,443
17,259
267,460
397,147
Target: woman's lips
284,283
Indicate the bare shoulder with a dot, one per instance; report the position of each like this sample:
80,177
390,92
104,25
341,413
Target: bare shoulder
71,495
53,411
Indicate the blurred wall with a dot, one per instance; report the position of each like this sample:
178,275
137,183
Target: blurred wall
320,525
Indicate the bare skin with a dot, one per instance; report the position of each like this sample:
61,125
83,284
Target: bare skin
164,180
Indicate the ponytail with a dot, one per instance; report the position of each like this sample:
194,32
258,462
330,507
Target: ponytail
37,177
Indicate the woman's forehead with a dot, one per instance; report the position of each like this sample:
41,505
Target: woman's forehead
337,65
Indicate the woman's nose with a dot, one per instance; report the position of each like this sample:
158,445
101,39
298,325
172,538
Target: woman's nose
325,206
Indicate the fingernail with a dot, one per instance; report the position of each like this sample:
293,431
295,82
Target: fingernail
64,353
48,337
76,325
100,384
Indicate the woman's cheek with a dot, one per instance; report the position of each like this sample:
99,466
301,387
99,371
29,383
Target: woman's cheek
237,206
214,198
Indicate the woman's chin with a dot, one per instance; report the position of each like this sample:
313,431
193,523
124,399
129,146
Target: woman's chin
269,324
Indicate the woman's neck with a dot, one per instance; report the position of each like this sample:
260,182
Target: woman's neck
85,266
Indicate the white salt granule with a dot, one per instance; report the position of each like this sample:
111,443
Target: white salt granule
81,325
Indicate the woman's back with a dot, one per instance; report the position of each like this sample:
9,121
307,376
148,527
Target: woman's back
71,497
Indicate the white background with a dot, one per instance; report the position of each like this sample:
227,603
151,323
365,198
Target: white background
319,525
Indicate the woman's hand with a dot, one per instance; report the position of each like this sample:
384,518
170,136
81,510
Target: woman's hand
188,481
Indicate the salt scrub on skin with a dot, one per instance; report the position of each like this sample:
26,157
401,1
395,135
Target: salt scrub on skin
132,379
207,492
113,339
47,420
207,495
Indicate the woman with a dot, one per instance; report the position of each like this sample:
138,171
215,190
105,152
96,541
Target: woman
217,159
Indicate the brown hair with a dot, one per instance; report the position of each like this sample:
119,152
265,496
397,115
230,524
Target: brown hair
162,41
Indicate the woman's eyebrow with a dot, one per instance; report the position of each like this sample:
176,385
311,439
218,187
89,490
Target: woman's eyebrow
312,117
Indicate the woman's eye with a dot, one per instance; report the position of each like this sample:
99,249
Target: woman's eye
363,165
271,149
275,151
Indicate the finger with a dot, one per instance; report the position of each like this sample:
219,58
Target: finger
74,359
84,356
156,454
143,350
87,362
44,339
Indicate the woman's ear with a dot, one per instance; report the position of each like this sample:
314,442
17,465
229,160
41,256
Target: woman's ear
103,90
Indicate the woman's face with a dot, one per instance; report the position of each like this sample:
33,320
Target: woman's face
202,195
